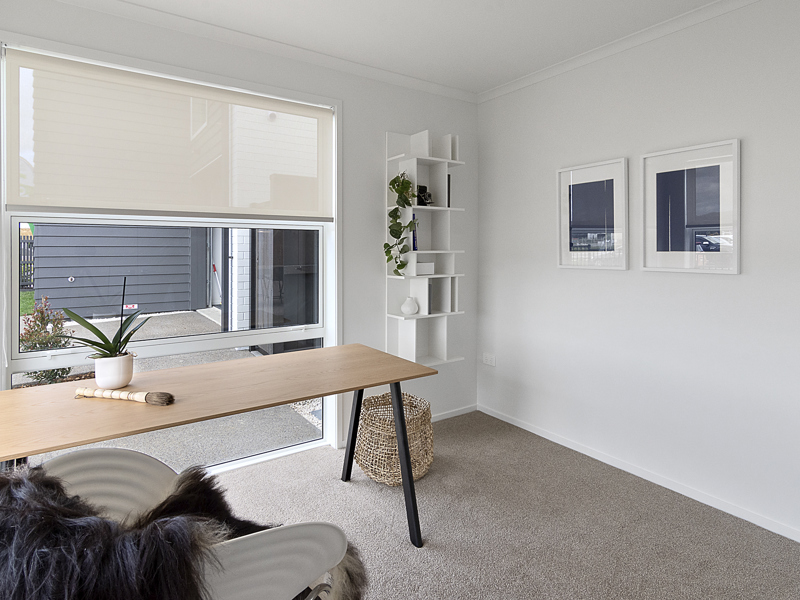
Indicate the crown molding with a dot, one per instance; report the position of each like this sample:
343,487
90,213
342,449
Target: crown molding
166,20
684,21
173,22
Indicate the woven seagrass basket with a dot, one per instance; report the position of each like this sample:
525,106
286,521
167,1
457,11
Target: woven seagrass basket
376,445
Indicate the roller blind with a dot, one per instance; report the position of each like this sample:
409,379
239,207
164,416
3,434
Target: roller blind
95,137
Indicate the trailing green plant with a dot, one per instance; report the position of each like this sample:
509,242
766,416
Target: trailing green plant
398,231
104,346
44,329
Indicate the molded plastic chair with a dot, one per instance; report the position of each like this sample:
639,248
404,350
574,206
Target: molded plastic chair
122,483
276,563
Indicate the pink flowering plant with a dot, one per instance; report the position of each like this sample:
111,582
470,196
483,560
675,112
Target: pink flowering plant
44,329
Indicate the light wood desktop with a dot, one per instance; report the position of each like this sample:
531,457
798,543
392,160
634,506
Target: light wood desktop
41,419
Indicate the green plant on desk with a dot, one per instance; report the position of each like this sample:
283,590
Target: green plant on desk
104,346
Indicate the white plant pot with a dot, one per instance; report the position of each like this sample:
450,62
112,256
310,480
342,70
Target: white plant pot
113,373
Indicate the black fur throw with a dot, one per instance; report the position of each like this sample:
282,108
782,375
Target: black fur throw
57,547
197,493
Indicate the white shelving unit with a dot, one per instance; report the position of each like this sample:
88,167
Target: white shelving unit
431,276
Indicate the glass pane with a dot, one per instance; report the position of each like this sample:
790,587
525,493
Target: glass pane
227,438
688,210
591,216
187,280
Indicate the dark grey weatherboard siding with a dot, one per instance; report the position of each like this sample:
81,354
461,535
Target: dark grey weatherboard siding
165,267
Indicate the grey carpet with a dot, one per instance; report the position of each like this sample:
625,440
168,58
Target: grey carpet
508,514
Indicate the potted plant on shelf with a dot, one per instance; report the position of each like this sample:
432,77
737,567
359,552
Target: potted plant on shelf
395,251
113,364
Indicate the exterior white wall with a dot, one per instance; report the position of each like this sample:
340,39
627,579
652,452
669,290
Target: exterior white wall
369,109
240,291
689,380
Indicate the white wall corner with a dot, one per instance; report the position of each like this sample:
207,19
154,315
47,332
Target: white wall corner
689,19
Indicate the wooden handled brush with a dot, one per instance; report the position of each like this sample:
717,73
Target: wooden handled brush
155,398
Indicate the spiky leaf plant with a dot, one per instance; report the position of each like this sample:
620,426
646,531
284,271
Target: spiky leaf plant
103,346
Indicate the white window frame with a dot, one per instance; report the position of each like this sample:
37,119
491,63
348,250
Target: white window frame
329,328
74,356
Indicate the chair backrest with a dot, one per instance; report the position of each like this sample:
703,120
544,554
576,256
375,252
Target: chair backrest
122,483
277,563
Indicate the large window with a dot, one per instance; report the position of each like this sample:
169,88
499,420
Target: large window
215,206
189,282
217,278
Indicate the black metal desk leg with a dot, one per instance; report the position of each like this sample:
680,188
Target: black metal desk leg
405,465
350,450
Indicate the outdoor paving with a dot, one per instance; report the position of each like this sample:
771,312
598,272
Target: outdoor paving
158,326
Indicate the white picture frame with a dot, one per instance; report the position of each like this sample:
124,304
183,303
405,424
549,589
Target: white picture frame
593,216
691,209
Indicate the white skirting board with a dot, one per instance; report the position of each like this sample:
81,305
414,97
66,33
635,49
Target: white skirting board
727,507
437,417
453,413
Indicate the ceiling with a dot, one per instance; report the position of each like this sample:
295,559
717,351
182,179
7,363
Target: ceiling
470,46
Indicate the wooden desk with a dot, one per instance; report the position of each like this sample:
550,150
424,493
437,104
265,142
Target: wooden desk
41,419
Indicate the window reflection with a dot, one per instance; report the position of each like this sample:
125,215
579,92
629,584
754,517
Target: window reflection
688,211
189,280
591,216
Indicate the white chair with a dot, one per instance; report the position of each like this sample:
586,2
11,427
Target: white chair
121,483
276,563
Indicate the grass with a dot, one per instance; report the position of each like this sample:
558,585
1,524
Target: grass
25,302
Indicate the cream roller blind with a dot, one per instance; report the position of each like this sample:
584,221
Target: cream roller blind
94,137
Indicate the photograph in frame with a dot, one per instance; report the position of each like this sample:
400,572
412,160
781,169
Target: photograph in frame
691,209
593,221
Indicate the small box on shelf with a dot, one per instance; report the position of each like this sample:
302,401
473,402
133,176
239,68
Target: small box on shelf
425,268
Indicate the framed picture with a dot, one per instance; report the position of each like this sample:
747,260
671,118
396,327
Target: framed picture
691,209
593,216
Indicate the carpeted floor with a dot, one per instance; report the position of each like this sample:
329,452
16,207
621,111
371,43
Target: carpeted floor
508,514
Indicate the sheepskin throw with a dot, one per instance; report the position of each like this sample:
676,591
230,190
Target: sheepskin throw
56,547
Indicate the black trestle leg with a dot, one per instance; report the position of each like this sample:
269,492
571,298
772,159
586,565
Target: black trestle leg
405,465
350,450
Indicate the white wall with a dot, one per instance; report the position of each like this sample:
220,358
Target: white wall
687,379
369,109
